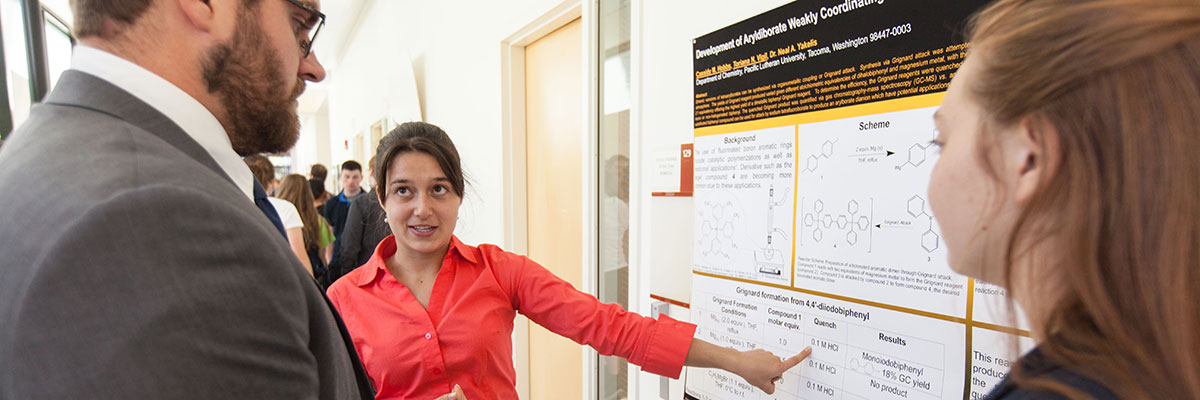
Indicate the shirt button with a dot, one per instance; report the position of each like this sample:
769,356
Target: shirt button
437,371
428,335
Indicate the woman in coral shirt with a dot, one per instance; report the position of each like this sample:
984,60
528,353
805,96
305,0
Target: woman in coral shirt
432,316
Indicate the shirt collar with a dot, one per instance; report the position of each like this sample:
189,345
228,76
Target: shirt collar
465,251
171,101
377,267
346,199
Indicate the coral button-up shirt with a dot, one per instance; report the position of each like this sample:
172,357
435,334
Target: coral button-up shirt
464,337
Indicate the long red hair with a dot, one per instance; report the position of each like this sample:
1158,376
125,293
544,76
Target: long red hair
1119,83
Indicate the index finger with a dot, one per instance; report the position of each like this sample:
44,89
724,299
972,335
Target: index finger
796,359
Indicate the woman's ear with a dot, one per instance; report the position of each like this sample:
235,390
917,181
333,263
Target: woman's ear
1033,156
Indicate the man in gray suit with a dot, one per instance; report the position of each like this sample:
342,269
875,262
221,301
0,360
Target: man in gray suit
136,264
365,228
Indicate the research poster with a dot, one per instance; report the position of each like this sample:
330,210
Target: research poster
813,127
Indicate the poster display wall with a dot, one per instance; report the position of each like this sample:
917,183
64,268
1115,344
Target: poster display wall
813,129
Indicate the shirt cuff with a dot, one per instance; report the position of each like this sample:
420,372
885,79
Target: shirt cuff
668,347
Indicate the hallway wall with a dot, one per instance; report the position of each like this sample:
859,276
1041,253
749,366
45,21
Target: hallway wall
440,62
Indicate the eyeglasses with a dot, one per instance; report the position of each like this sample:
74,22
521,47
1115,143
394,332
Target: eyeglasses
306,32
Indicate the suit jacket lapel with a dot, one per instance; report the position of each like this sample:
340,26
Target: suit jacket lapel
78,89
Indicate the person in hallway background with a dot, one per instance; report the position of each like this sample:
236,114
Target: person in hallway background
318,172
316,178
1068,175
337,207
317,235
365,228
289,216
140,260
429,313
320,196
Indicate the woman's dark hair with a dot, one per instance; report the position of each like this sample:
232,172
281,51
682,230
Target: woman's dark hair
418,137
317,186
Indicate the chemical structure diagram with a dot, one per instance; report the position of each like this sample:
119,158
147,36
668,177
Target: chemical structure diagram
814,160
916,208
862,367
817,221
769,259
917,154
717,229
724,239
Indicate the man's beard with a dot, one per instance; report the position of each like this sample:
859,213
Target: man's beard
244,75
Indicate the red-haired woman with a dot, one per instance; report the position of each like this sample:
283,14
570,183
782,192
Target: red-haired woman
1069,175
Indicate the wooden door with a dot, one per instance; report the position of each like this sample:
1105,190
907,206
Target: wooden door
553,143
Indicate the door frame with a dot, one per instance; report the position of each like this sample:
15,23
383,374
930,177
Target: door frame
512,70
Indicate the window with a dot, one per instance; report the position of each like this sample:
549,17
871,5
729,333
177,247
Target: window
614,178
15,66
22,74
58,45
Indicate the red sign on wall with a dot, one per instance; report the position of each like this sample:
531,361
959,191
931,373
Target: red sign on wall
685,168
686,174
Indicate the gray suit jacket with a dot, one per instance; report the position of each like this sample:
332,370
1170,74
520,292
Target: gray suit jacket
134,268
365,228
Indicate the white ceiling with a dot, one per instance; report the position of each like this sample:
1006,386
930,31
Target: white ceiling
341,19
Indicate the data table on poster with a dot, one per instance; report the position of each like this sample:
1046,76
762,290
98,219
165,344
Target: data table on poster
858,351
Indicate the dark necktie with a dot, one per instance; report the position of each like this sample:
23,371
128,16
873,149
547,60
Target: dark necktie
260,200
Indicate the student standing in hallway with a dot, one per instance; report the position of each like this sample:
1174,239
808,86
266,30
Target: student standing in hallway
316,178
336,208
139,257
289,214
316,234
430,313
318,172
365,228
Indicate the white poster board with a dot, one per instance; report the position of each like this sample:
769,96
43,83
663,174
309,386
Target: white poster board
813,129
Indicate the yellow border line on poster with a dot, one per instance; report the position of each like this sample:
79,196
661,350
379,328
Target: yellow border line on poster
879,107
906,310
1002,329
970,336
795,189
842,298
